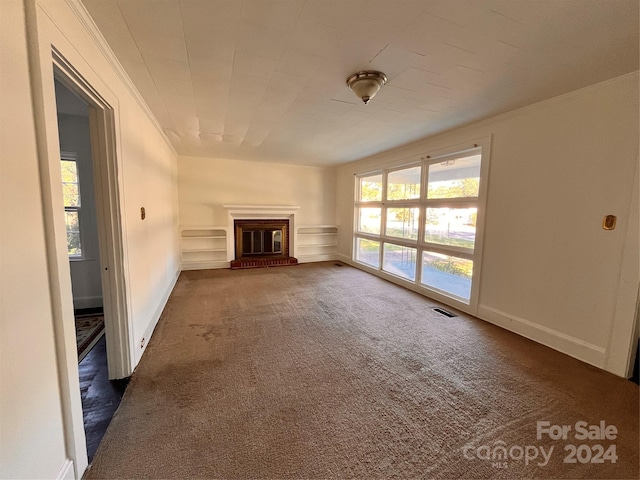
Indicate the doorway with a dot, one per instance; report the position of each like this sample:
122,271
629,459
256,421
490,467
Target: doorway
108,220
100,396
79,198
96,395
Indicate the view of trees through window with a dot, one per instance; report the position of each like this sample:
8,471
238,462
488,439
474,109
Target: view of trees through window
401,227
71,196
371,188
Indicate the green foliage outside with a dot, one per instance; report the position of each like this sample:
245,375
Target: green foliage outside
371,191
70,190
456,242
73,233
467,187
473,219
368,245
400,233
71,198
401,191
455,266
409,219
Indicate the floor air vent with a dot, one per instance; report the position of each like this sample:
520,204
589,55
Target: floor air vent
444,312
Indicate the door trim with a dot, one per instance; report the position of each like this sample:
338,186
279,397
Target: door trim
103,150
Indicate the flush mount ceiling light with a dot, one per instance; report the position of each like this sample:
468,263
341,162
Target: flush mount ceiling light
366,84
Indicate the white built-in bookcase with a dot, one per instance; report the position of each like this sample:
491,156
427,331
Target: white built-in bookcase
317,243
203,247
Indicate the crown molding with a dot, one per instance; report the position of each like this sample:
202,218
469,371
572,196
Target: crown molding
90,27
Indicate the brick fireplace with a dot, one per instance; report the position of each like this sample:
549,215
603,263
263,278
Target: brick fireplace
262,236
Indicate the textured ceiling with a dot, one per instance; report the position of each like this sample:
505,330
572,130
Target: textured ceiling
265,79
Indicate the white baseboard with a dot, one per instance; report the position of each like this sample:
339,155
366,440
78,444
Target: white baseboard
344,258
80,303
574,347
205,265
318,257
154,319
66,471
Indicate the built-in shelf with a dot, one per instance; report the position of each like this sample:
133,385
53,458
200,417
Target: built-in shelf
192,250
203,247
317,243
204,236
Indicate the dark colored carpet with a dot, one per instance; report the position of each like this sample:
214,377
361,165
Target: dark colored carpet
326,372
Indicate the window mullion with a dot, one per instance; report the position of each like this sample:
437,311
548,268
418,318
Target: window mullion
448,250
368,236
383,217
405,242
462,202
424,183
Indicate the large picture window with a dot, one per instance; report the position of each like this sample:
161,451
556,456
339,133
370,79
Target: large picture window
420,222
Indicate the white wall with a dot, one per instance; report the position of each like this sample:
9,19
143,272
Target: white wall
206,184
550,272
41,432
31,424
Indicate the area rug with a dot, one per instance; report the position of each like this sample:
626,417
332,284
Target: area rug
89,329
326,372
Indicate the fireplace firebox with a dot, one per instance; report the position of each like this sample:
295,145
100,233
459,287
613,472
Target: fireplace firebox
262,243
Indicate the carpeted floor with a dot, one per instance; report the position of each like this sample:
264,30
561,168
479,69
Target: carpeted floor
324,371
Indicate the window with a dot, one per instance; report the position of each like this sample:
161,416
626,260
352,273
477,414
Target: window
72,204
369,220
402,222
451,226
420,222
371,188
455,178
400,261
447,273
368,251
404,184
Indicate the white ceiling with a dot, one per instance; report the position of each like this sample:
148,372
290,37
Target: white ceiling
265,79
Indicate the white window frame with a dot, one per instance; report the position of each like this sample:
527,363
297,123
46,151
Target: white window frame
483,146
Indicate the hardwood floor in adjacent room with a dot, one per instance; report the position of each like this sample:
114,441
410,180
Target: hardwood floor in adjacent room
100,396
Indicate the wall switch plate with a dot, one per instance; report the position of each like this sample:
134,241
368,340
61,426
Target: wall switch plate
143,213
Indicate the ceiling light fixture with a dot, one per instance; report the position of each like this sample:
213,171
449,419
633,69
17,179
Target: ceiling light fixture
366,84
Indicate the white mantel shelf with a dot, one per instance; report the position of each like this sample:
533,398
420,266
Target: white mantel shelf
260,208
262,212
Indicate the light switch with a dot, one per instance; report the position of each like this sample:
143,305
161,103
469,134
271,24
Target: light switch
143,213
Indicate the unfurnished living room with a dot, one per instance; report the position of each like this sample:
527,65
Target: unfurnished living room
319,239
